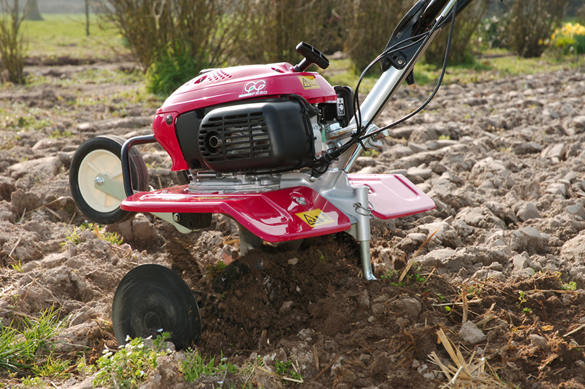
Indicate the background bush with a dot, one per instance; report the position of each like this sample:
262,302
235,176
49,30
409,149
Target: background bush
532,24
12,47
569,39
276,27
178,35
370,24
492,31
580,15
461,50
174,39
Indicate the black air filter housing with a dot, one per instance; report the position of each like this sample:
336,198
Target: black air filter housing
264,136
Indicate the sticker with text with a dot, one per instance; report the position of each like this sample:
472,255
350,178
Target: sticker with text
315,218
309,82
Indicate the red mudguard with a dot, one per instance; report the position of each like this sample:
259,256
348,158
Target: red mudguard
279,215
393,195
273,216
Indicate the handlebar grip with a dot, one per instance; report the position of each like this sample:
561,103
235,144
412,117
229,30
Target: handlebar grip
312,56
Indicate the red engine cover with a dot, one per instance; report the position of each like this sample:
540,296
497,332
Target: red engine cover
227,85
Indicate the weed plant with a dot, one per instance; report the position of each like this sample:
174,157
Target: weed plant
286,369
392,276
75,238
129,366
569,286
196,365
28,346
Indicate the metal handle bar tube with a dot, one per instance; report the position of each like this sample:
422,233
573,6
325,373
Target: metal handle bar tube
124,156
382,91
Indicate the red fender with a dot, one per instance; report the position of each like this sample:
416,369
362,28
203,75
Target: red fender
272,216
279,215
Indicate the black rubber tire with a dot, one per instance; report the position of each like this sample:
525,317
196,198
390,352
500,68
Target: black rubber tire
151,298
138,172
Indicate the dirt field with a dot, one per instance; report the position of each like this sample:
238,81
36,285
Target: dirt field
502,278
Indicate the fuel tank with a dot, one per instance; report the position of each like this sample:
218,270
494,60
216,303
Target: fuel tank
226,85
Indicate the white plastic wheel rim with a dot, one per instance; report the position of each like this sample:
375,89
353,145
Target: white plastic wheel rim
99,162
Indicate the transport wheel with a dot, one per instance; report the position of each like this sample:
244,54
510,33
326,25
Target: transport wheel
101,155
152,299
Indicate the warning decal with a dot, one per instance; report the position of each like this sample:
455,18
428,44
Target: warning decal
309,82
315,218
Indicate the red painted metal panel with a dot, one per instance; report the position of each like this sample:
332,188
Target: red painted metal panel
273,216
393,195
247,82
165,135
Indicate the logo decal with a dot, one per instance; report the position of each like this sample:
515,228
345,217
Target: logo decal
315,218
254,88
309,82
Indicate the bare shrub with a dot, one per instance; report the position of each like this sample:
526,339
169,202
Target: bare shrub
532,24
370,24
206,28
580,15
466,25
276,27
12,47
199,33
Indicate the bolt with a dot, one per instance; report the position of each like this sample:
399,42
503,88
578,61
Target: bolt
177,217
99,181
169,119
301,200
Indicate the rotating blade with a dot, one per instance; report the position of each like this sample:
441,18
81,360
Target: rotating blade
152,299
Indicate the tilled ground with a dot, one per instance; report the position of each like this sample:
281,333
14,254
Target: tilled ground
503,160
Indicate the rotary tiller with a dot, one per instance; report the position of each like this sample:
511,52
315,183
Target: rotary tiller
271,146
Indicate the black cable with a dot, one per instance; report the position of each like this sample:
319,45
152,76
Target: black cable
391,50
423,106
361,129
357,138
331,156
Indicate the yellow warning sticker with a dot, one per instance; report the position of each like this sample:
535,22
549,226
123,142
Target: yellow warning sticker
315,218
309,82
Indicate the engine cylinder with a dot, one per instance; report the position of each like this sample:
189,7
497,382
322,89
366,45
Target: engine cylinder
274,135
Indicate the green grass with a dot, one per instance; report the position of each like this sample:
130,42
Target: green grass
127,367
342,72
286,369
64,35
195,365
27,346
495,64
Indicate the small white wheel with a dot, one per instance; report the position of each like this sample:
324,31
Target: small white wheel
99,162
101,155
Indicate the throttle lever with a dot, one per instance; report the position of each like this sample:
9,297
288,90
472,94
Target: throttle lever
312,56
